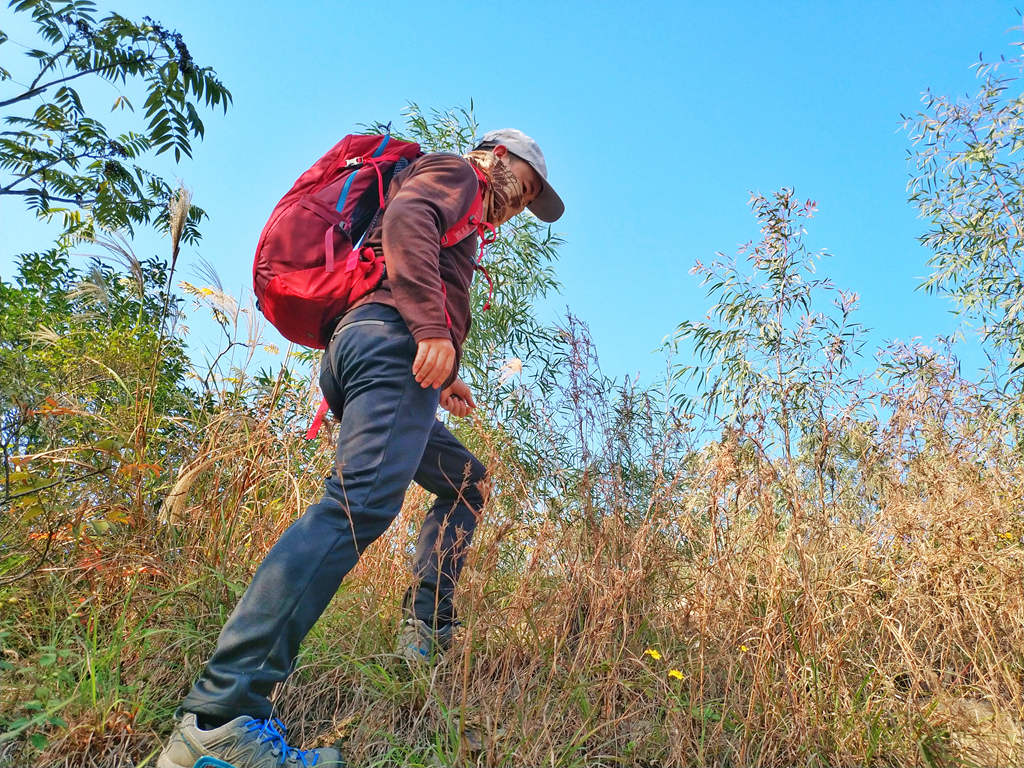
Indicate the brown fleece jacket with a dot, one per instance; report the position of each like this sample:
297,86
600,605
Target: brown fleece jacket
422,278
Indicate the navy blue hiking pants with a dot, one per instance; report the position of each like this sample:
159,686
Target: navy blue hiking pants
389,435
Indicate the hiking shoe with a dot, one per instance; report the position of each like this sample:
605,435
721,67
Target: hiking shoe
244,742
418,643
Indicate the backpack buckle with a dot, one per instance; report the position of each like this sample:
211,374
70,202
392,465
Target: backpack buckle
354,161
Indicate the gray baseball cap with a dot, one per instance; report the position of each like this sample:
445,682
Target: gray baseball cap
548,206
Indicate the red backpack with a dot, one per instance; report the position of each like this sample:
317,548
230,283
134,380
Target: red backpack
310,264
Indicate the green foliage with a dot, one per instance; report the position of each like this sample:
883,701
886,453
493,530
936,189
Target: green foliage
81,357
967,181
86,335
60,157
768,352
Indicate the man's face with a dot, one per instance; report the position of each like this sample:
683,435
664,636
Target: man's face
529,178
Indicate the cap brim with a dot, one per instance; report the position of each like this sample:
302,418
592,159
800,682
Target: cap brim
548,206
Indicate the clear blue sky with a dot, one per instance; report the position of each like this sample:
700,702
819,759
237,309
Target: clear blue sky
657,119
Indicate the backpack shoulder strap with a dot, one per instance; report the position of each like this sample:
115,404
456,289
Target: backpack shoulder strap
474,216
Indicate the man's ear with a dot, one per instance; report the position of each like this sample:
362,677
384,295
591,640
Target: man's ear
499,150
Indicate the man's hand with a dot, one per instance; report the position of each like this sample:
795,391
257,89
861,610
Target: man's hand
433,363
457,399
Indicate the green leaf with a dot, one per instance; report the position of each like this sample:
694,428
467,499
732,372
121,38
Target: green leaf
108,445
101,527
58,147
33,512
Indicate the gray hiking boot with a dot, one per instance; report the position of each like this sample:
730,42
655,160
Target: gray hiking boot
418,643
242,743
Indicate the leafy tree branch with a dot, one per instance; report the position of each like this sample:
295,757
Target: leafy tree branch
61,158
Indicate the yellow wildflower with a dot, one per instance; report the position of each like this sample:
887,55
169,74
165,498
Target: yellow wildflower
653,654
676,674
743,649
1006,535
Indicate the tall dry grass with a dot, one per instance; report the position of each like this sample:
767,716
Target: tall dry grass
635,595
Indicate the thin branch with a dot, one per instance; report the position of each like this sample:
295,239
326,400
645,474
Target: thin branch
9,497
53,60
7,464
216,361
36,91
50,533
40,169
81,202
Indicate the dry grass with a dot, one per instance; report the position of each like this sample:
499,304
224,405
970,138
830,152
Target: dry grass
862,611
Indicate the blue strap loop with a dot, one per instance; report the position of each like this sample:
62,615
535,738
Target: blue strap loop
348,182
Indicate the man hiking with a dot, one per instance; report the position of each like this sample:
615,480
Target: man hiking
392,359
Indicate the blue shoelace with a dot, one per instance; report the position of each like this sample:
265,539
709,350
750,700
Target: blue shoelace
272,730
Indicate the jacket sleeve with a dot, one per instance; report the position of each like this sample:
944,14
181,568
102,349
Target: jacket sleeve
433,196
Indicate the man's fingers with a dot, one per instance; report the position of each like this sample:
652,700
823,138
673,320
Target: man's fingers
426,371
442,367
429,376
433,362
462,391
417,364
456,405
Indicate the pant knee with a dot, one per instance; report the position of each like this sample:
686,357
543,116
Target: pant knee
331,513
